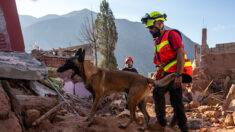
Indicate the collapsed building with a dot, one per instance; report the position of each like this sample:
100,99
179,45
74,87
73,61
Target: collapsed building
214,69
29,103
56,57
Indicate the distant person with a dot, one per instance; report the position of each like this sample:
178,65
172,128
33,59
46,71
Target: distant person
128,67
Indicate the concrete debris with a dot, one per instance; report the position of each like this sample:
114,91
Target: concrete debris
209,100
194,104
40,89
51,117
229,97
47,114
204,108
233,117
124,114
195,124
4,104
215,114
8,120
43,104
30,116
117,102
226,82
17,65
229,120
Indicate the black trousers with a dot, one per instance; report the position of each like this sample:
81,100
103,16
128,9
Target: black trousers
176,102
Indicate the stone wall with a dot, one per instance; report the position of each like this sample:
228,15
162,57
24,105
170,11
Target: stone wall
225,47
216,64
57,61
222,63
54,61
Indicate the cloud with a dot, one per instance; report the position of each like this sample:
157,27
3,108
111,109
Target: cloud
34,0
223,27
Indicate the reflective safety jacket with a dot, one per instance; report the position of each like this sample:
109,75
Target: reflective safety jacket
165,58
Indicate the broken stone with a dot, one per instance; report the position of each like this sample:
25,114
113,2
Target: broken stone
229,97
232,105
194,104
40,89
11,124
221,120
223,113
230,127
204,108
214,120
198,115
227,79
43,104
212,101
212,113
140,119
233,117
106,115
59,118
124,114
117,102
187,107
46,125
203,130
194,124
5,106
30,116
63,112
229,120
18,65
217,125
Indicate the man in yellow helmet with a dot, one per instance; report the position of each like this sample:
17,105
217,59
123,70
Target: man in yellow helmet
169,57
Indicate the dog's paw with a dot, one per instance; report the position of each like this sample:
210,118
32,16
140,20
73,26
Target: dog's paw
142,129
90,123
122,126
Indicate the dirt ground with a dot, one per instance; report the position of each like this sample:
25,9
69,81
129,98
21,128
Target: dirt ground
22,107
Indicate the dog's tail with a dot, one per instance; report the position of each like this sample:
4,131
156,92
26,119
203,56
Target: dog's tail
164,81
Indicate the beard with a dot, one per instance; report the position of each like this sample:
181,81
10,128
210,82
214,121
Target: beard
156,33
129,66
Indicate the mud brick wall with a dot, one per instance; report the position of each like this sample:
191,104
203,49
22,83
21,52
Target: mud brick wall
223,47
54,61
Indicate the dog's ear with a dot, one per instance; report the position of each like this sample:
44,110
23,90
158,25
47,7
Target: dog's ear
81,57
78,52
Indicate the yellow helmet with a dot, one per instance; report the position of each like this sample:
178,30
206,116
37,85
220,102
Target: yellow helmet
149,19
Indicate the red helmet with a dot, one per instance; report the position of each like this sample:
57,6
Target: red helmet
128,59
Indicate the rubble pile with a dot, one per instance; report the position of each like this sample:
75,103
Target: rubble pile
31,104
22,107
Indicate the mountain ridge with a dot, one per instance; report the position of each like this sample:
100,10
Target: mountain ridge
54,31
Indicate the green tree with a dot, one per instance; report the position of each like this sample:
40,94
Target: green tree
107,36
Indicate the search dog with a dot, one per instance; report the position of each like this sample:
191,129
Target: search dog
101,82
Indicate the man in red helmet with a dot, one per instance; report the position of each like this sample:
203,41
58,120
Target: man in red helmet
129,65
169,57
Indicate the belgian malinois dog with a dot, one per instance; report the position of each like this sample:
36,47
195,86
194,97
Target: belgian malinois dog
102,82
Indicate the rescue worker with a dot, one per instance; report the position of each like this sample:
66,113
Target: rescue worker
169,57
128,67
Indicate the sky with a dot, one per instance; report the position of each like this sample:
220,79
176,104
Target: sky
188,16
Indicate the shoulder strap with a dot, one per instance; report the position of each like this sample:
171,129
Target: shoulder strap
169,35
